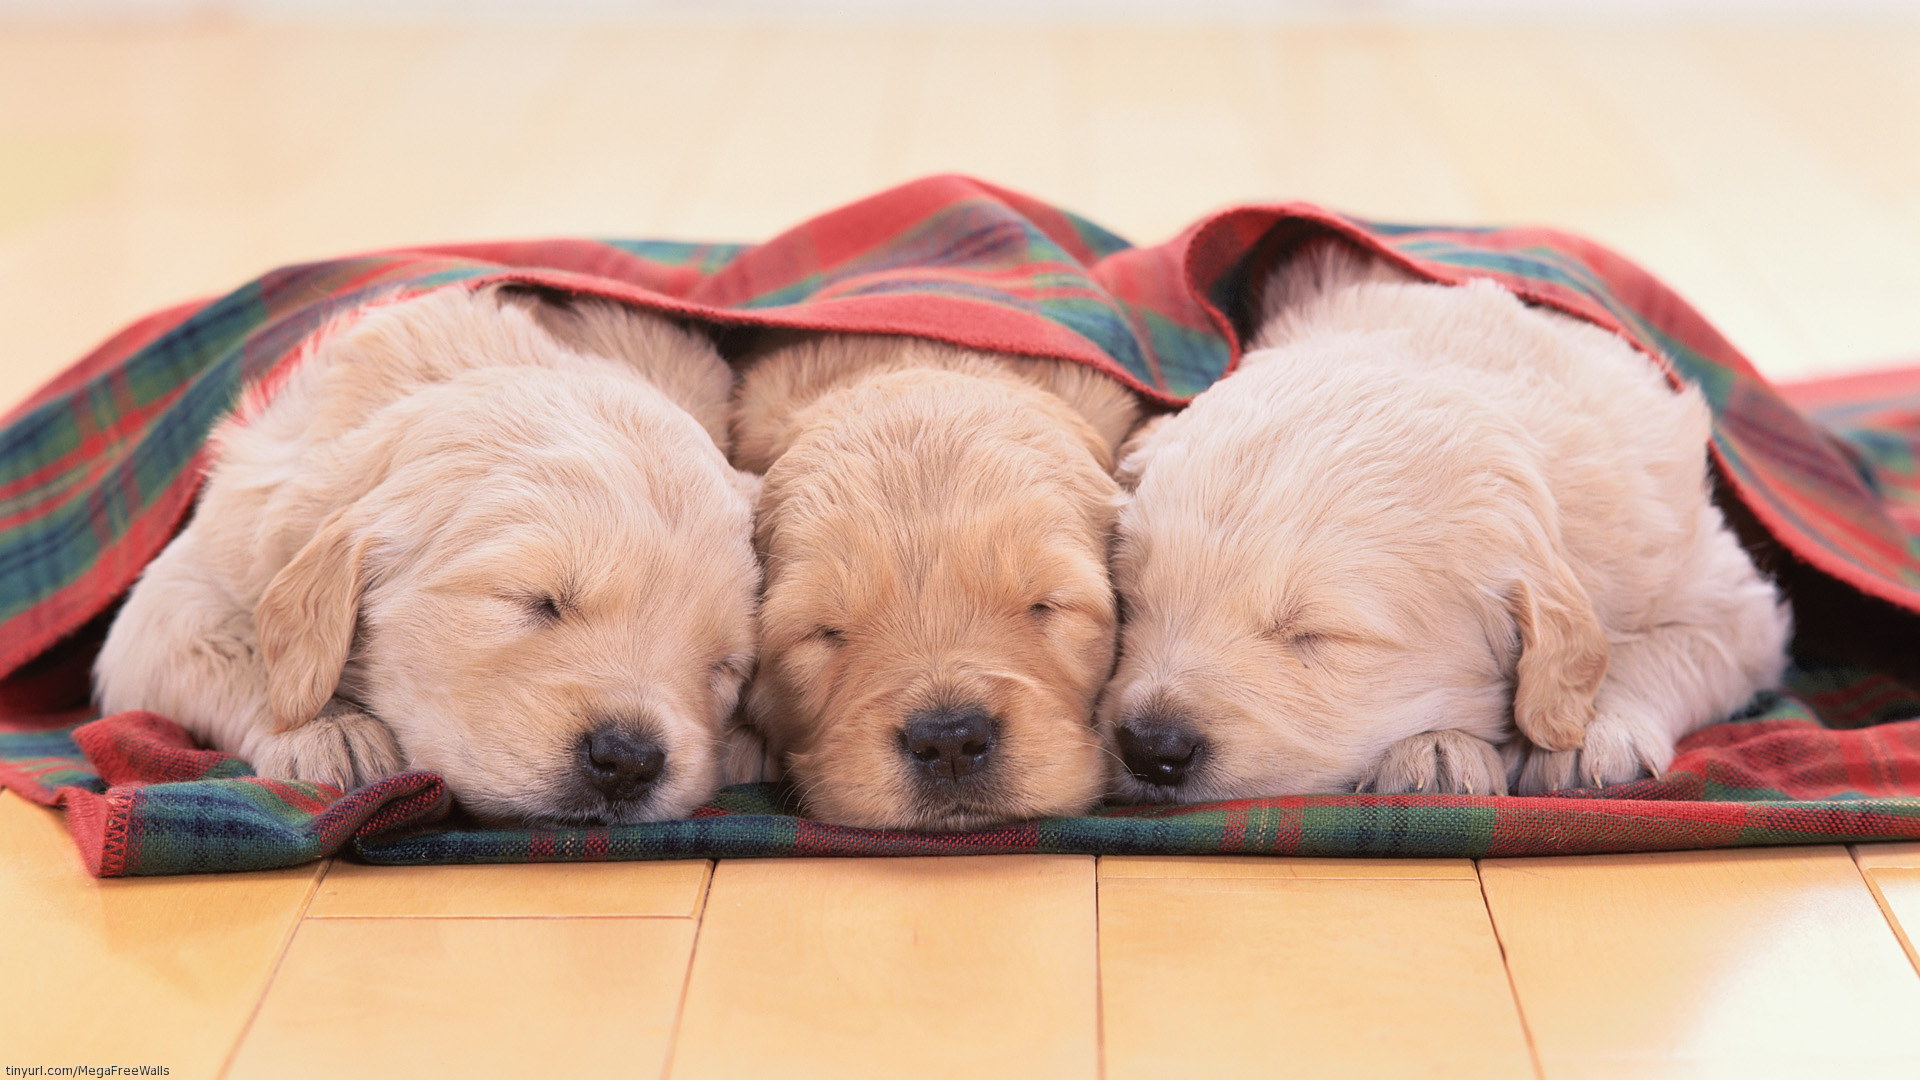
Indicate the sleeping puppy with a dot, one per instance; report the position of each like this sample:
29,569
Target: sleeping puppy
1419,525
937,618
477,533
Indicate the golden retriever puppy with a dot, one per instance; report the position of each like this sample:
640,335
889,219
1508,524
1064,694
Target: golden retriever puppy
1421,523
937,619
458,541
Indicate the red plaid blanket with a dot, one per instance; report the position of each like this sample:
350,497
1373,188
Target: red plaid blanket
98,469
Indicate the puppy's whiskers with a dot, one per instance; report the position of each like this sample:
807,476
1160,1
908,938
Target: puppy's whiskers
1109,751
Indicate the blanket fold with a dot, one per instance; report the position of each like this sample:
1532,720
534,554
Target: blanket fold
99,468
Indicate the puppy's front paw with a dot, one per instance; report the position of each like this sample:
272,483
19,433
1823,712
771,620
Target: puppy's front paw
1619,746
1439,763
344,745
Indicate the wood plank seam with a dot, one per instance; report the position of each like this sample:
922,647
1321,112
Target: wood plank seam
686,978
700,902
1886,910
1099,977
1513,988
293,929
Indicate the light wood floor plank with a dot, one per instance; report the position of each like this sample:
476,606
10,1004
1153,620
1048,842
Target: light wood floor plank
927,968
1850,93
141,167
543,890
960,119
1771,962
1902,856
1838,259
1335,125
624,136
1323,978
1265,866
823,145
154,971
408,998
1576,156
1180,91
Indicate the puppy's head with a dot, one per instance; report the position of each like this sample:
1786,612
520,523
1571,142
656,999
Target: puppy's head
937,618
548,595
1311,574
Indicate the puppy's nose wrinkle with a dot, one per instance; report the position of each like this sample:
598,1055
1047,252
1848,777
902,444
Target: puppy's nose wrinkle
621,763
950,742
1158,752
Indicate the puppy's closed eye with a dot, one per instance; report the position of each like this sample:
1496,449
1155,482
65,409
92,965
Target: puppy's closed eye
727,673
1309,646
541,607
1069,602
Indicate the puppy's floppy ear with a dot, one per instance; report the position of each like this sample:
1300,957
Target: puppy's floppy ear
1563,651
1137,451
306,618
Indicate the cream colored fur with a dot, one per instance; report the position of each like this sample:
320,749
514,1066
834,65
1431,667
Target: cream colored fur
451,542
934,525
1419,525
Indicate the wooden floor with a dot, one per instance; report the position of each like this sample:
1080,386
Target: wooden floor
1772,174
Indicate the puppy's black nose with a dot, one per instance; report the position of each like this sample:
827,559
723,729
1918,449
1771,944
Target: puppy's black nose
620,763
949,742
1158,751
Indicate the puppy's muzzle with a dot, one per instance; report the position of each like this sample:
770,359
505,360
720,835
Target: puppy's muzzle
1159,750
950,742
620,763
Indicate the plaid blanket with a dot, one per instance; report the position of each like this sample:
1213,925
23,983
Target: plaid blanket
98,469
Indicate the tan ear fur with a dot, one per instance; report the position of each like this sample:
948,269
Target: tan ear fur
1563,655
306,618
